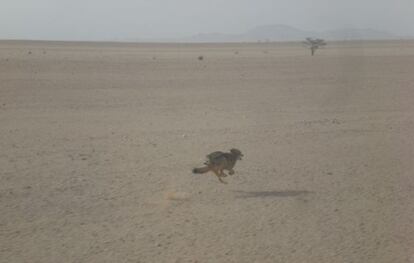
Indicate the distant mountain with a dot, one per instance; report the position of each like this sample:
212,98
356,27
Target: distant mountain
288,33
356,34
214,37
277,33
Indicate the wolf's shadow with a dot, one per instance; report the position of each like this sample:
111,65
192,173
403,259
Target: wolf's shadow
262,194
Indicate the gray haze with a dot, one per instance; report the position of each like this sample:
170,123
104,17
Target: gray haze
173,19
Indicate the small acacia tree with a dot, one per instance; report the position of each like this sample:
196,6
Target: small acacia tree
314,44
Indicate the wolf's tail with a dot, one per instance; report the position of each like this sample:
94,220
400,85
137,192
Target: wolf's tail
201,170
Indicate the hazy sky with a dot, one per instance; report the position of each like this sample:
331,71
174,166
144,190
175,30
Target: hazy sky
140,19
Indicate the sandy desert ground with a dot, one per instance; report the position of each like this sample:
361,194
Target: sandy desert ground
98,141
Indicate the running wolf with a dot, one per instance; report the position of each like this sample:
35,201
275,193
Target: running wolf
218,161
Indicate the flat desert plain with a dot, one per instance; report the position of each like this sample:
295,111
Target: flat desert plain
98,141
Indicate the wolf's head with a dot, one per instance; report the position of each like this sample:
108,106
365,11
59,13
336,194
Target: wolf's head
237,153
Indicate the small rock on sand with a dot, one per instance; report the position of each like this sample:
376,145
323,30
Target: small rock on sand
177,196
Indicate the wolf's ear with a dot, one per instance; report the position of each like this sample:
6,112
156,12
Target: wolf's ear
235,151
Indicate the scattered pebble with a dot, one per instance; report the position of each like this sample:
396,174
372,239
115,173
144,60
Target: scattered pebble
177,196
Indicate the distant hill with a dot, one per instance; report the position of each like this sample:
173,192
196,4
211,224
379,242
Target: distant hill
288,33
355,34
277,33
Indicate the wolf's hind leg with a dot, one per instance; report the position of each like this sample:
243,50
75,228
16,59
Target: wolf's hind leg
221,180
223,174
219,177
